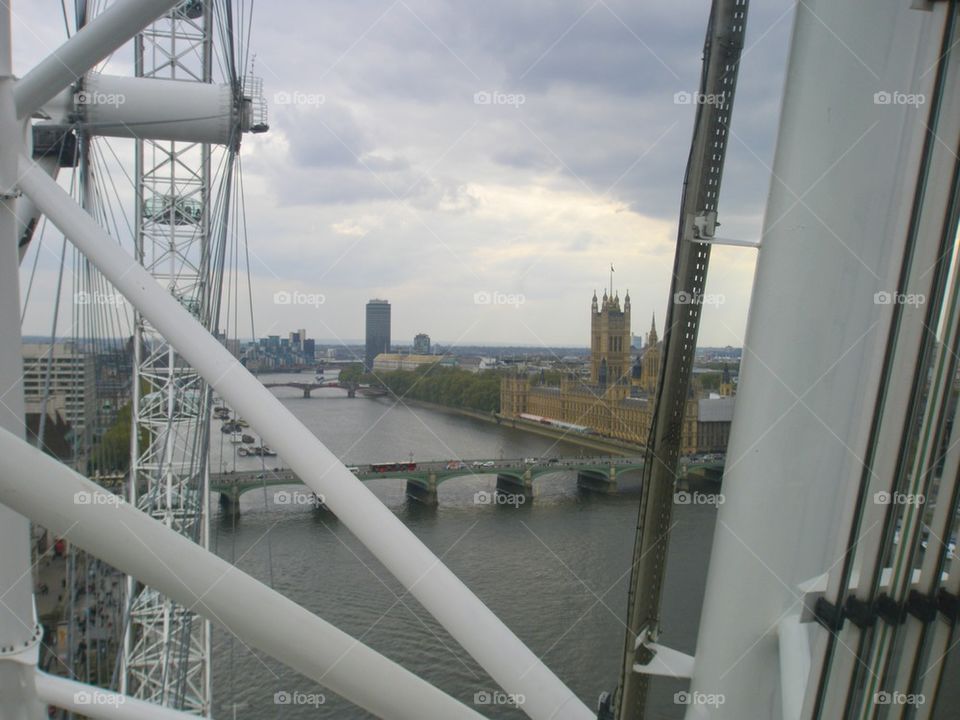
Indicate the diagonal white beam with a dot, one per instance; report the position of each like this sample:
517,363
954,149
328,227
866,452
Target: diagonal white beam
94,702
101,523
88,46
466,618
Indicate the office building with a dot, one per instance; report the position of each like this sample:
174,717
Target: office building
421,344
72,376
378,331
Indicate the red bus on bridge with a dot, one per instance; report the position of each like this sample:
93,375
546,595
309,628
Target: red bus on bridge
392,466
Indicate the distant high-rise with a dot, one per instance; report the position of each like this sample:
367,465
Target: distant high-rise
378,331
421,344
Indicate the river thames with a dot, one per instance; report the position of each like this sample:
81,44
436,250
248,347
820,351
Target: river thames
554,569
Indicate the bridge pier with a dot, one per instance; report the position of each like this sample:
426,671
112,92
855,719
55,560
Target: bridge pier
230,504
424,492
600,481
513,485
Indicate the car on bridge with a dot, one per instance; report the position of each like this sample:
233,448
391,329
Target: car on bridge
261,450
456,465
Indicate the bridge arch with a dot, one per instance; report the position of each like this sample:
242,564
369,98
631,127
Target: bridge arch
512,476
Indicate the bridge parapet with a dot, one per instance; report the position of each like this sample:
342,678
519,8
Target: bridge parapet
513,476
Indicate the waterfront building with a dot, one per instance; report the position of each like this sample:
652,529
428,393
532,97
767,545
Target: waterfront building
273,353
378,331
649,373
714,416
609,340
617,400
388,362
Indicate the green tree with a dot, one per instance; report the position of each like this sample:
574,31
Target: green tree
448,386
351,373
112,453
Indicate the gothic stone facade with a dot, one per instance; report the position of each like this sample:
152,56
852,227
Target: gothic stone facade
618,400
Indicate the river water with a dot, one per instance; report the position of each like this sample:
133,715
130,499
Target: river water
555,569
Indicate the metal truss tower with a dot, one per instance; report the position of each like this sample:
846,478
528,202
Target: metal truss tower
167,647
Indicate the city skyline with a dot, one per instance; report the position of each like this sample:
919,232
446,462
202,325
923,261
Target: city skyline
455,196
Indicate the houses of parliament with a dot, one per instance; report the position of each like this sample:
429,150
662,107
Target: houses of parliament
618,400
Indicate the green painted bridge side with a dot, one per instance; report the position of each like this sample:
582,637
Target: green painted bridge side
237,483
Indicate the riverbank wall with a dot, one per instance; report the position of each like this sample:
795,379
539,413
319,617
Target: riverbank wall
595,443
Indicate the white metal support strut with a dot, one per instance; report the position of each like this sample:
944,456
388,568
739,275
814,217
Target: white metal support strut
261,617
480,632
19,630
469,621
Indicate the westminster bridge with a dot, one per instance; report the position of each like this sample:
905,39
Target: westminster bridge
598,474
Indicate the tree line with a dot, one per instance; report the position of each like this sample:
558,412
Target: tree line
447,386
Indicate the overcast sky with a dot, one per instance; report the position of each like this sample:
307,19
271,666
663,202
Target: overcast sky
445,154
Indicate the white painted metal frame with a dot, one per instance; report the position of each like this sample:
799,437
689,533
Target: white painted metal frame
197,580
166,654
247,606
19,629
835,236
468,620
